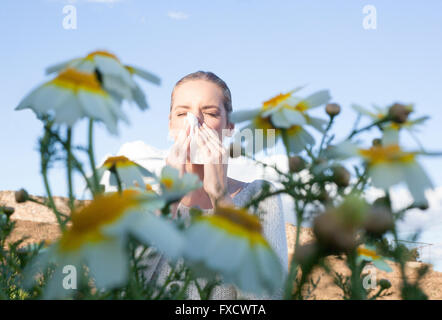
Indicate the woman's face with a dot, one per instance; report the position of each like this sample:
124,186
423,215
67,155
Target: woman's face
202,98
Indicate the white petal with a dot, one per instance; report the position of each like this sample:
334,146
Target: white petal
129,175
270,266
363,110
390,136
195,235
279,120
240,116
146,75
318,98
84,65
248,277
58,67
139,98
70,112
109,66
294,117
160,233
417,181
317,123
115,110
385,175
117,86
229,254
344,150
108,263
95,107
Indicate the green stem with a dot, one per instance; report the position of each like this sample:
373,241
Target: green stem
90,152
51,199
356,285
77,164
69,167
120,188
330,122
376,123
44,159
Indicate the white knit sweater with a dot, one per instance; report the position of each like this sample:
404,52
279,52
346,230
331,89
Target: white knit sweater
271,214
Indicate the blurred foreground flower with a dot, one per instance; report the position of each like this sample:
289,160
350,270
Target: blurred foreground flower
337,228
124,173
231,242
115,77
98,237
368,253
388,164
287,114
71,96
173,187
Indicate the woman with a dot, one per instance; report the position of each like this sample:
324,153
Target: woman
208,98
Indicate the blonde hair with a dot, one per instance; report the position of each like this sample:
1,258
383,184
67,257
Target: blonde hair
208,76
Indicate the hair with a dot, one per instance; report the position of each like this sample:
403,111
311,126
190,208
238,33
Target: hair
208,76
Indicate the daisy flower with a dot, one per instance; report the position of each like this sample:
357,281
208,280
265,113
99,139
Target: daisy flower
71,96
287,115
115,77
124,172
230,242
97,239
388,164
368,253
173,187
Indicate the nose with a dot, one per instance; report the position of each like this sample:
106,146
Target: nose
200,118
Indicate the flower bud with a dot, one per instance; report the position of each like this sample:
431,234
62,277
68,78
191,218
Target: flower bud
399,113
385,284
21,196
323,196
333,109
296,164
379,220
8,211
332,235
341,176
305,254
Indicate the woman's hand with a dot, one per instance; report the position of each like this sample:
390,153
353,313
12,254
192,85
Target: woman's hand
215,166
179,152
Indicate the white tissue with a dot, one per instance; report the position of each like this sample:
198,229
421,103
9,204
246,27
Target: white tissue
195,156
193,122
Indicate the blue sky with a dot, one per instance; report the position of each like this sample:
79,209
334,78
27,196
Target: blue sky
260,48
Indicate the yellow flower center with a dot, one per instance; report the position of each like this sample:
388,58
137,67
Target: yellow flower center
167,182
91,55
130,69
118,162
87,221
368,253
302,106
237,221
294,130
240,216
386,154
276,100
74,80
